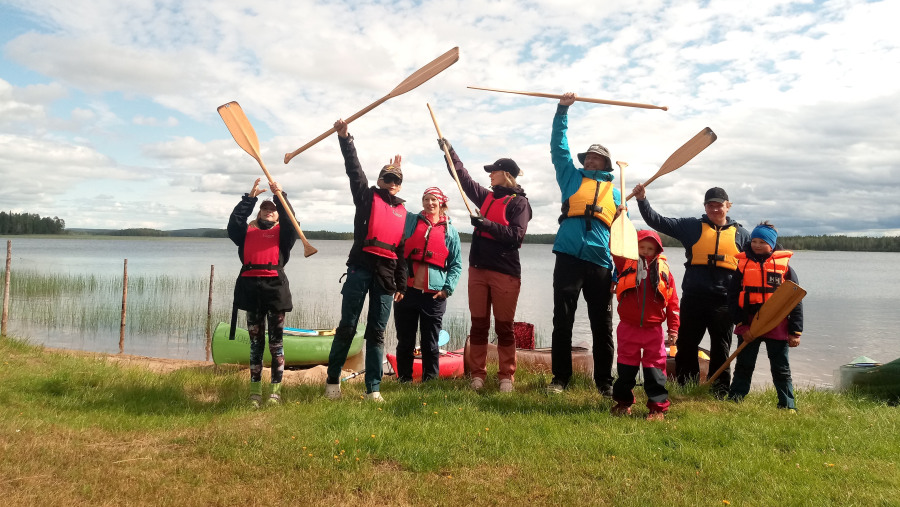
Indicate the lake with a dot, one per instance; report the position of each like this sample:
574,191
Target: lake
850,309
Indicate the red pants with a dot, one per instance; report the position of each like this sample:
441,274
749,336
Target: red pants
490,289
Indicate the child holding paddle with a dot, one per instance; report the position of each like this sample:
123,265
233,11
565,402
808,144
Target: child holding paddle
646,297
761,270
373,267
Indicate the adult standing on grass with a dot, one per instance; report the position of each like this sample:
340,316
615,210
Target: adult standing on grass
495,273
433,261
711,244
373,268
583,261
262,289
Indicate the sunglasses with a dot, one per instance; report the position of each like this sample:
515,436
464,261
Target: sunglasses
391,178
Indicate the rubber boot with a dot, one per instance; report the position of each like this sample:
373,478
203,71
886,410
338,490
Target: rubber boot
255,394
275,397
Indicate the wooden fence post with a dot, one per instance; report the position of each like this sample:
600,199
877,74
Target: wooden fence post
6,289
212,271
124,305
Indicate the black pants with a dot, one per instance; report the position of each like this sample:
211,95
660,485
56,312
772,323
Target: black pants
571,277
420,310
701,314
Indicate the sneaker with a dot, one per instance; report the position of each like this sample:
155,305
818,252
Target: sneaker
375,396
477,384
620,410
656,416
255,394
333,391
555,388
506,385
606,391
275,397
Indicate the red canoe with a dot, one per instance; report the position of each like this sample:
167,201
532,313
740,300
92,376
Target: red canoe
450,365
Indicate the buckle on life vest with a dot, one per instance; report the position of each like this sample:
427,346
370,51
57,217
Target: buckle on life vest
268,266
760,290
712,259
379,244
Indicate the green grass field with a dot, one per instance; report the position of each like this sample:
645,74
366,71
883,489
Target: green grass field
76,430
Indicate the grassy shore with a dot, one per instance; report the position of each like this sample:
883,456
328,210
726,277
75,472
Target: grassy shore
77,430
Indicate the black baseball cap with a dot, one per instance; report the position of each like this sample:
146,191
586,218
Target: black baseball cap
504,164
715,194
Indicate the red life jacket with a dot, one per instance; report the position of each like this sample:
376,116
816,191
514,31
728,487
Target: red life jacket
494,213
261,252
428,242
386,224
760,279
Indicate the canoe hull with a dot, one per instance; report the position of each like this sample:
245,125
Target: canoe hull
450,365
298,350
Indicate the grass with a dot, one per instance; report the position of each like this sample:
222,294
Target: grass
77,430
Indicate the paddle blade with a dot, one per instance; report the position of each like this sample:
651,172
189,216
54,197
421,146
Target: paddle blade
687,151
623,240
776,308
431,69
443,338
240,128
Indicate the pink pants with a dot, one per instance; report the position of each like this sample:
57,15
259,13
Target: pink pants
500,292
632,339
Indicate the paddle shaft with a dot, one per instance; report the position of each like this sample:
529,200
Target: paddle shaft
582,99
289,156
450,161
308,249
683,155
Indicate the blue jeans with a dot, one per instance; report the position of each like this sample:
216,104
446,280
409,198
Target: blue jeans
778,361
359,283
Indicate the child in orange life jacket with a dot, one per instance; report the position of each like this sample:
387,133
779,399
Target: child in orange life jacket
761,269
646,297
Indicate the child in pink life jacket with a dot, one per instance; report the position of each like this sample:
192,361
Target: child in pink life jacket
646,297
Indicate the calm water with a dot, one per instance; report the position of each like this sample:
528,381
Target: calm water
848,311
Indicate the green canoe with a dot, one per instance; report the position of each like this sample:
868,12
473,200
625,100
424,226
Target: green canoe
301,347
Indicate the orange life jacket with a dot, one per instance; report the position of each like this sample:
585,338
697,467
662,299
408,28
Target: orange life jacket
593,199
715,247
628,278
494,213
761,278
385,228
261,252
428,242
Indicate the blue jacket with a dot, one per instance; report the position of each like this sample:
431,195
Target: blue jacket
440,279
573,238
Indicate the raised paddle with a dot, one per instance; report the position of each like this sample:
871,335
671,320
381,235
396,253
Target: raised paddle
245,136
427,72
770,314
683,155
582,99
622,236
450,161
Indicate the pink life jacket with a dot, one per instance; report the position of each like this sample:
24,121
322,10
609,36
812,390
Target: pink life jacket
261,252
494,213
428,242
386,224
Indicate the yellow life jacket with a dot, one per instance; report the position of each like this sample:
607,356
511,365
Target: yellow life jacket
594,199
760,279
716,247
628,278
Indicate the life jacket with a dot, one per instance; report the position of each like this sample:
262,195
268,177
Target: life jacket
593,199
261,252
760,279
628,278
428,243
385,228
494,210
716,247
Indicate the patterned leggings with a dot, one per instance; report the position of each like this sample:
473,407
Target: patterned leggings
256,327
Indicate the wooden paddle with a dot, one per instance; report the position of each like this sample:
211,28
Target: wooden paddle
427,72
622,236
683,155
770,314
582,99
245,136
450,161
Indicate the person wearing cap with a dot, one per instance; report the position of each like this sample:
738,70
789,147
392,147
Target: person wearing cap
434,264
590,203
262,288
374,268
495,273
711,245
762,268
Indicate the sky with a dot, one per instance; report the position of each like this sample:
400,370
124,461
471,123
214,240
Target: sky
108,109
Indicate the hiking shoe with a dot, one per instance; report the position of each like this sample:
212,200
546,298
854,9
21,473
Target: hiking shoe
375,396
506,385
477,384
656,416
606,391
555,388
620,410
333,391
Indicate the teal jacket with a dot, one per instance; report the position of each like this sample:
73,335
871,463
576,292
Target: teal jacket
440,279
573,237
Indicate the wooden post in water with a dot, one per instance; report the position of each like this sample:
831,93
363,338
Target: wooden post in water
6,289
124,306
212,271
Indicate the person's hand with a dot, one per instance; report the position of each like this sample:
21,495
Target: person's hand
794,340
622,208
341,127
747,337
444,143
398,296
671,338
440,295
255,191
477,220
396,161
275,186
567,99
640,193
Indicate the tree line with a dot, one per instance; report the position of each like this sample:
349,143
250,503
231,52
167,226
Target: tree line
30,223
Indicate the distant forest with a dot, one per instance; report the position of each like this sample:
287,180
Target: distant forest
29,223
